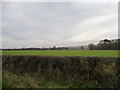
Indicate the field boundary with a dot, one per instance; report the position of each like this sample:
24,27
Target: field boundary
104,71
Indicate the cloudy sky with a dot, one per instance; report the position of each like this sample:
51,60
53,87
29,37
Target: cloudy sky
45,24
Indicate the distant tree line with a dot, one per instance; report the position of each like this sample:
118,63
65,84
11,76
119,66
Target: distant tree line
106,45
51,48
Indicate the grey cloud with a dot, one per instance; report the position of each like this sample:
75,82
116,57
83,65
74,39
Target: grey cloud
54,22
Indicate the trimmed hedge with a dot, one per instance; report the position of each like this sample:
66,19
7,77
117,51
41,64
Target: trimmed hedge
78,70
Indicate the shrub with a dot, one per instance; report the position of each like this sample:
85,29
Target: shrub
72,69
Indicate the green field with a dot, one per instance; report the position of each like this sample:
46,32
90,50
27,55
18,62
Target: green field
100,53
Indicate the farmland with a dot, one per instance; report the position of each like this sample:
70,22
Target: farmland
99,53
60,68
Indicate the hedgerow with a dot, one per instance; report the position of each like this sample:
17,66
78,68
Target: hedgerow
78,70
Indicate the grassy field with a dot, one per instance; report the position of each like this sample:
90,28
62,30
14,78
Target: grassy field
100,53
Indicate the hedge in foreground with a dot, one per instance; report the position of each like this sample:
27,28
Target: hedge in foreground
78,70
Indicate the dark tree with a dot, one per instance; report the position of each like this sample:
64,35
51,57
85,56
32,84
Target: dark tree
91,46
82,47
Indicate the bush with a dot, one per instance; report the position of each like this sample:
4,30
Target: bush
73,69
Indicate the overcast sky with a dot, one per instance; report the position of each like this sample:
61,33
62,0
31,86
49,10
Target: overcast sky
38,24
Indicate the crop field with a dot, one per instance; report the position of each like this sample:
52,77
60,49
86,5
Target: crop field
99,53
